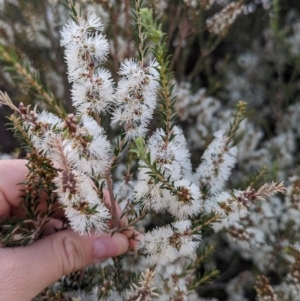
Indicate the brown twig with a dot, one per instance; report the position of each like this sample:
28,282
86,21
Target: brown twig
114,212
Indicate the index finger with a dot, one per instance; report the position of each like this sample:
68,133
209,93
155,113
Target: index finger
12,173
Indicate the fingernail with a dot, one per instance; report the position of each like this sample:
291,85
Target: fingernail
107,246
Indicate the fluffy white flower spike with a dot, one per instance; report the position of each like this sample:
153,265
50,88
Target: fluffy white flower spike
135,97
87,213
150,193
228,207
85,45
83,206
166,244
94,95
89,151
188,201
44,130
217,162
73,32
172,157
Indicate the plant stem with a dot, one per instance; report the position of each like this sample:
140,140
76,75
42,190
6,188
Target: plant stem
113,202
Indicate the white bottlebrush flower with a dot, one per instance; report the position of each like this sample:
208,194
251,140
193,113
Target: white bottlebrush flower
90,163
97,46
228,206
90,126
172,284
76,59
93,47
150,194
130,68
89,151
188,201
134,119
183,156
87,213
45,130
71,185
48,119
44,142
173,157
166,244
78,71
135,97
84,44
217,162
92,90
93,95
73,32
93,21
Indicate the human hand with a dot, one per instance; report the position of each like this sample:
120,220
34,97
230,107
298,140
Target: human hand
26,271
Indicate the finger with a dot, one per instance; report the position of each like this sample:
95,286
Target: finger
58,212
134,239
12,172
25,271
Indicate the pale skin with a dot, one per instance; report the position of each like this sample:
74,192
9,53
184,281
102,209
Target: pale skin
26,271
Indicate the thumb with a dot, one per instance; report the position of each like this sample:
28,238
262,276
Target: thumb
32,268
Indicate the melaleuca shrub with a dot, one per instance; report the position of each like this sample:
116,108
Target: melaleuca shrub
114,146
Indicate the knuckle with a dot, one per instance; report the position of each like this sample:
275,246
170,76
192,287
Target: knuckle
72,257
